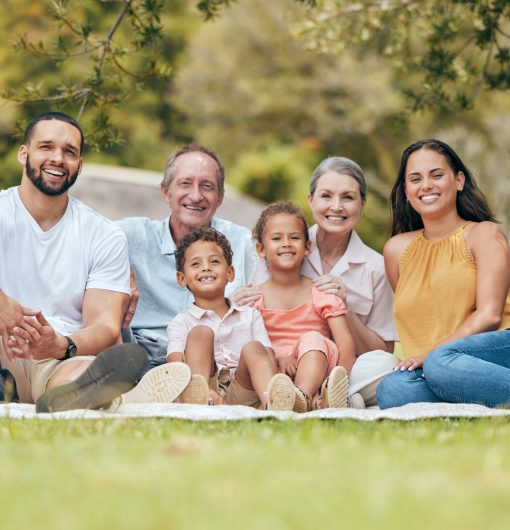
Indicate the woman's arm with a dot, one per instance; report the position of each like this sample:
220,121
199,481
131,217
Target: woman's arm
364,338
393,251
344,341
491,252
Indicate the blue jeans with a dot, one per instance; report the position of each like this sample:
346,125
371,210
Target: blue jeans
474,369
154,345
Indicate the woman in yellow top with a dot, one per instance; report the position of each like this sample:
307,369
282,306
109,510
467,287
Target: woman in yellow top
449,265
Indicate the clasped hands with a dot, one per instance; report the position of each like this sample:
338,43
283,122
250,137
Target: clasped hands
33,339
287,365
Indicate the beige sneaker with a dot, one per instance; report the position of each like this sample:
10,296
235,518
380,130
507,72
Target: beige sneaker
281,393
302,402
162,384
334,390
196,392
356,401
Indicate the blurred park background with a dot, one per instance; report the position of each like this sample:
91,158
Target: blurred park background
273,86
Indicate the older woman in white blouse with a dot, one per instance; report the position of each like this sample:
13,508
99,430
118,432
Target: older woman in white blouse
341,263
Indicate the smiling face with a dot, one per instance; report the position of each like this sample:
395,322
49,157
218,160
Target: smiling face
431,186
193,194
52,160
205,270
336,203
283,242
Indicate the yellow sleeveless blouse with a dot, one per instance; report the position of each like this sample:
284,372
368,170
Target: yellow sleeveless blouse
436,292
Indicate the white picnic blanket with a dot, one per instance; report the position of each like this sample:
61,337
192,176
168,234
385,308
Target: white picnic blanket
225,412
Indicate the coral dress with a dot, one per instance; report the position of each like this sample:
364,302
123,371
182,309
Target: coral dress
305,327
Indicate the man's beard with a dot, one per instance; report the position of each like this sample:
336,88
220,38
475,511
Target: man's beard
38,181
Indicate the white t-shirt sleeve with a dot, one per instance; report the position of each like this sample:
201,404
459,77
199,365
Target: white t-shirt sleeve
110,265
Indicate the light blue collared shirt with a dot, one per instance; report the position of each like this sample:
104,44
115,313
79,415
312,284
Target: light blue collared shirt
152,258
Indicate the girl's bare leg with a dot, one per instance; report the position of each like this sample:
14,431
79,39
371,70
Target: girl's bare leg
311,372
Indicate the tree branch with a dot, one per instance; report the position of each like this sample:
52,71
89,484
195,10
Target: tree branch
106,49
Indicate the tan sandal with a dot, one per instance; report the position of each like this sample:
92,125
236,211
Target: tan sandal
335,390
196,393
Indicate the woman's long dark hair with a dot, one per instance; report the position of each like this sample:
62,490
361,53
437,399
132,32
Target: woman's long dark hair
471,202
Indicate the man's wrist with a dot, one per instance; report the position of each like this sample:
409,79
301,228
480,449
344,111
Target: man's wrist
67,348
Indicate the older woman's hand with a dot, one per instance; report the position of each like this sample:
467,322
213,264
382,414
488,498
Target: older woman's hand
132,303
332,285
246,295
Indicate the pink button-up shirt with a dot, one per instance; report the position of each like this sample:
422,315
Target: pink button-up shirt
239,326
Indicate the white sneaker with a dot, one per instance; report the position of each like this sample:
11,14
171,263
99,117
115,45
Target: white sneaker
162,384
356,401
281,393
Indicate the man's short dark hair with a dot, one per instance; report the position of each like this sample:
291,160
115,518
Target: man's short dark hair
202,234
45,116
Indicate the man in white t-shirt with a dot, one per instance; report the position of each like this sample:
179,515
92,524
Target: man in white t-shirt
64,281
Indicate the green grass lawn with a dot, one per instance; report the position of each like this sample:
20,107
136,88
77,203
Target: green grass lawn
160,473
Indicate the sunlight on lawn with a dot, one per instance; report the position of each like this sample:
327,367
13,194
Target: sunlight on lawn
255,474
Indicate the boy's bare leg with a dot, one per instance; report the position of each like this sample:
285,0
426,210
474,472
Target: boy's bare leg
311,372
199,356
199,352
256,367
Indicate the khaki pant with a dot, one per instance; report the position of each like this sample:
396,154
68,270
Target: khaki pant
231,391
32,376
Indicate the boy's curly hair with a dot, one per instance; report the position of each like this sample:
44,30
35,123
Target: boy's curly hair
276,208
202,234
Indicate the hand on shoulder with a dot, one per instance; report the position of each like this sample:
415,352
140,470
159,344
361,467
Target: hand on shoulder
246,295
331,284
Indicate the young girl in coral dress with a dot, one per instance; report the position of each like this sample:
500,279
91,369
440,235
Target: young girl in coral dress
308,329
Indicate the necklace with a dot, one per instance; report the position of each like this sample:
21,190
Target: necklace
331,262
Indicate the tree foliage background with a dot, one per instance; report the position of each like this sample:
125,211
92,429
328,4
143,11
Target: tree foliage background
272,86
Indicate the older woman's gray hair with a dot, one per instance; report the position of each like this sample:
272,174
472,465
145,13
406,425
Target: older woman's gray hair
342,166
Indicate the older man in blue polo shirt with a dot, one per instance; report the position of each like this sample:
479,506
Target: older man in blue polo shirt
193,187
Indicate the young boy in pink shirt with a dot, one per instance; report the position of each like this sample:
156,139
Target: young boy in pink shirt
226,347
